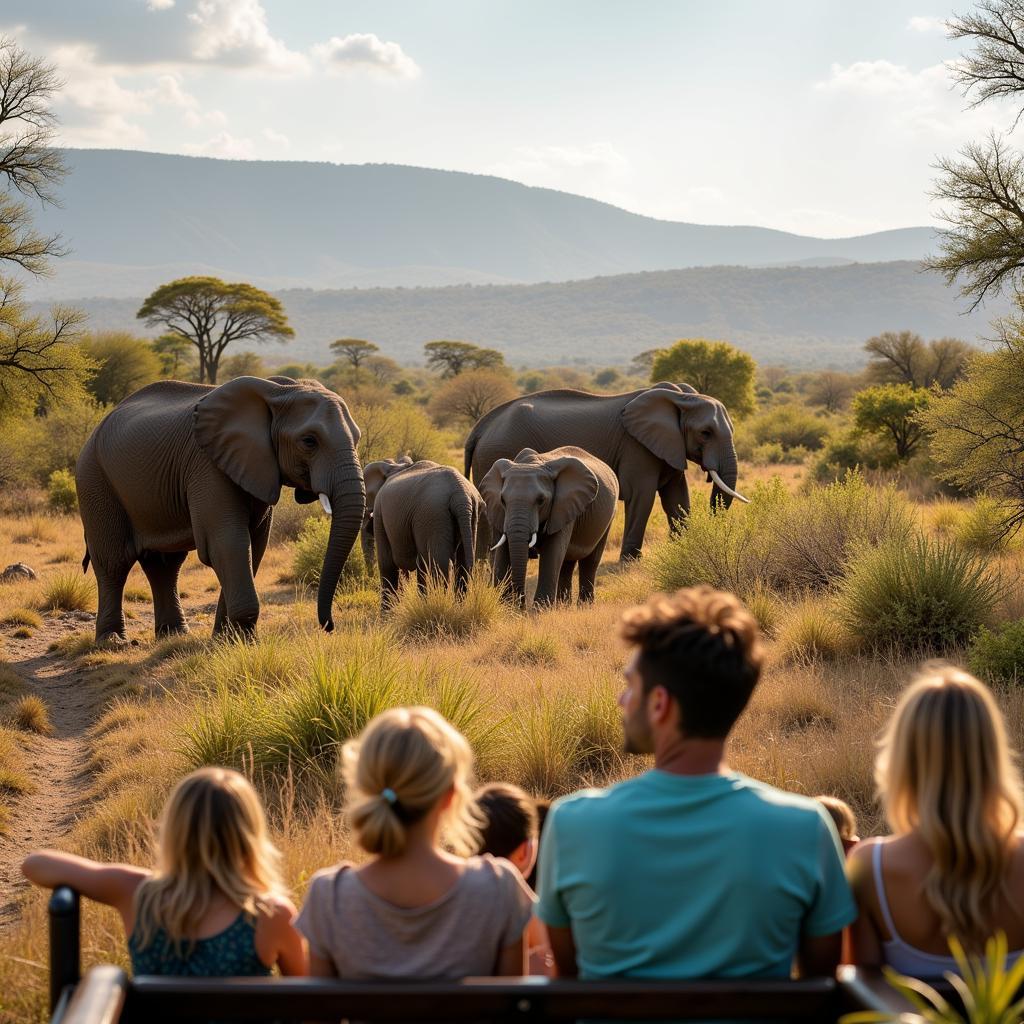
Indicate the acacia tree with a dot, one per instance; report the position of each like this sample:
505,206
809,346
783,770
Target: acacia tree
38,355
904,358
714,368
124,364
354,351
450,358
211,314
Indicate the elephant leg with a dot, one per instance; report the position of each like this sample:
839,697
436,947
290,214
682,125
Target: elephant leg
259,538
565,582
162,572
638,511
552,558
588,570
240,602
389,575
110,581
675,500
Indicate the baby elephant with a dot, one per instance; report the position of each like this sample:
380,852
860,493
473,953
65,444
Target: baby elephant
420,517
561,502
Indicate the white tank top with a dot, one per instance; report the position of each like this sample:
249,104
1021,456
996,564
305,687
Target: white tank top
900,955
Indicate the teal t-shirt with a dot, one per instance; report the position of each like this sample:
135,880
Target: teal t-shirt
691,876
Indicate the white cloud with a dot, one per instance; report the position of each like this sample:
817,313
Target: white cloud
277,139
926,23
225,145
159,5
235,32
364,51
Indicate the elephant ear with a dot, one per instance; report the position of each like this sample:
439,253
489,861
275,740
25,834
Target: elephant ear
655,419
576,486
490,491
232,424
374,475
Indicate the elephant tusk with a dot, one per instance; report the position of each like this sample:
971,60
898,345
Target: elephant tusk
533,540
723,486
326,502
500,542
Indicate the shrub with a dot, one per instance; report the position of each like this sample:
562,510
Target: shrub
782,542
31,714
439,613
981,526
22,617
68,592
812,631
397,429
61,494
790,426
308,558
924,596
998,655
289,519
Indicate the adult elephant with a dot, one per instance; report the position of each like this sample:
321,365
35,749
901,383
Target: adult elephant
177,467
646,436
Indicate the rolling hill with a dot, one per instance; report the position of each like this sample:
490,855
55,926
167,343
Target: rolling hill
801,316
134,220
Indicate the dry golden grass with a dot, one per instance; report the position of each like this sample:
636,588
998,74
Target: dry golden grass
31,714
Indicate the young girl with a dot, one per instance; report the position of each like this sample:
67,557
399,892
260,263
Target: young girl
954,864
214,906
414,909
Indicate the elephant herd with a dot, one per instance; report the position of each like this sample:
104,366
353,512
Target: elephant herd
177,467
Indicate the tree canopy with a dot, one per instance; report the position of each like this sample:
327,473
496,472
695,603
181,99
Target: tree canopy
893,411
354,351
211,314
123,363
714,368
465,398
904,358
450,358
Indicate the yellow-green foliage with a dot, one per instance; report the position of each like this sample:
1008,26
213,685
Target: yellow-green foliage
980,527
68,592
308,557
812,631
926,596
439,613
789,425
61,494
781,541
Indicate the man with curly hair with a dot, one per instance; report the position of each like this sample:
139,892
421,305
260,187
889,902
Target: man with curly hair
691,870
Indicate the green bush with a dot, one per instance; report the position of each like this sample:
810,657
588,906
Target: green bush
791,425
780,541
922,597
308,558
980,527
388,431
812,631
998,655
61,494
68,592
439,613
290,517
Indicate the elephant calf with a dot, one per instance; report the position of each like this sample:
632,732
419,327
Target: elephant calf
420,517
562,502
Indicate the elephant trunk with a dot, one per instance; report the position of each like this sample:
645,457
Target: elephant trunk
519,531
728,470
348,502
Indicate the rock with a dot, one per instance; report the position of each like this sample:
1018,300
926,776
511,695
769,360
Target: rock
16,573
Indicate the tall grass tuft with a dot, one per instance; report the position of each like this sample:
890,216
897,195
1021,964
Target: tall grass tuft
32,715
22,617
981,526
923,597
68,592
439,613
812,631
36,530
308,557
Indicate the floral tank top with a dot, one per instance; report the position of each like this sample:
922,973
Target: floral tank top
228,954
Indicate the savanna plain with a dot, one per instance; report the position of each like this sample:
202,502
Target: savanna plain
855,577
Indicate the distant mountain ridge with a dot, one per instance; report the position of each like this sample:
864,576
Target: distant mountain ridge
805,317
134,220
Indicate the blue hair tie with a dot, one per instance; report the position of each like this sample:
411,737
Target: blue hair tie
389,795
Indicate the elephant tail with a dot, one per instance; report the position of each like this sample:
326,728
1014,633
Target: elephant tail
85,561
463,512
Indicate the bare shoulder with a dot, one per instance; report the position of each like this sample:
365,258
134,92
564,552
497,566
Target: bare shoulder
280,908
859,861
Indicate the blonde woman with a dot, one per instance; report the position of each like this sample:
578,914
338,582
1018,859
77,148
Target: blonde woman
421,906
214,906
954,864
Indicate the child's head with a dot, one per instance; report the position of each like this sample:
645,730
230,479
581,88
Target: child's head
407,764
842,814
511,824
212,838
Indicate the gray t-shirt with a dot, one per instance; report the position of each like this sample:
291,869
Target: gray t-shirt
457,936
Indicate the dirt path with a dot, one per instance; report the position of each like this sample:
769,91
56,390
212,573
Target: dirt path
56,764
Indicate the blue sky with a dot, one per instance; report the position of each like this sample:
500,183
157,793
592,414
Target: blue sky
817,116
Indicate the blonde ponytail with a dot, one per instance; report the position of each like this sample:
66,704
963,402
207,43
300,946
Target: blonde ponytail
404,762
